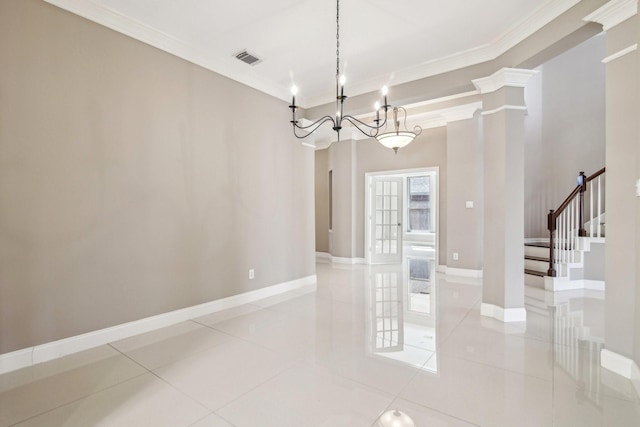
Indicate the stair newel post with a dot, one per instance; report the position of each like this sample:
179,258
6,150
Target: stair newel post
551,225
582,182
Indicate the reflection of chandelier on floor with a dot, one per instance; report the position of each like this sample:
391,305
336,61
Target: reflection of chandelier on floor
394,138
395,418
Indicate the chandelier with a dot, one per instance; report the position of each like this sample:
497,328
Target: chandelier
393,138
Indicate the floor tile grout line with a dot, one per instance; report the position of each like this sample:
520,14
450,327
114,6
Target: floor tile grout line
152,372
226,335
441,343
83,397
208,415
399,396
280,372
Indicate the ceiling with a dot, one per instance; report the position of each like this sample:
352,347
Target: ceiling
381,41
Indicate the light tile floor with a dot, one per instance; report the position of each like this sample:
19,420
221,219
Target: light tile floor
358,346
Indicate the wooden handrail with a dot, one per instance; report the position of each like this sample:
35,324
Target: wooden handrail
554,214
563,206
595,175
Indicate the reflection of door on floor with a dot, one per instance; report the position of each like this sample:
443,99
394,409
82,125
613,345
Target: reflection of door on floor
386,219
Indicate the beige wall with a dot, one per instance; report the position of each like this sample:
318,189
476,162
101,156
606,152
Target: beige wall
126,187
465,183
322,200
341,157
565,129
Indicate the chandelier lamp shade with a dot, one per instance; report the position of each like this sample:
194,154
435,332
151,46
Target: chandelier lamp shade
394,138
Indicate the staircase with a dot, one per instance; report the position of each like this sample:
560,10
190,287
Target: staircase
575,273
536,263
566,261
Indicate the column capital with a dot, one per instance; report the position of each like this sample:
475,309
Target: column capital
461,112
613,13
511,77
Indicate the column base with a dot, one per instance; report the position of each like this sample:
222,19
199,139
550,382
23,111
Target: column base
504,314
622,366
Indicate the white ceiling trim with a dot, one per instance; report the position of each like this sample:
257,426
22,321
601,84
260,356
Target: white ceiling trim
512,77
613,13
620,53
114,20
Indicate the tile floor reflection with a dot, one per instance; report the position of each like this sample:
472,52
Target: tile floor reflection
370,339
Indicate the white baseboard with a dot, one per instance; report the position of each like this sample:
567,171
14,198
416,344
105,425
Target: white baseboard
617,363
459,272
352,261
52,350
323,257
635,378
16,360
326,257
536,240
504,314
556,284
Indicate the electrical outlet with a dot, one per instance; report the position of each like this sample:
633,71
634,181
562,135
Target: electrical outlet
252,274
469,204
455,256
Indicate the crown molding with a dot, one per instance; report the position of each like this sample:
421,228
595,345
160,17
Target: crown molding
505,107
460,112
511,77
613,13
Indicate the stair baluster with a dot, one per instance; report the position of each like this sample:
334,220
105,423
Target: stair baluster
566,223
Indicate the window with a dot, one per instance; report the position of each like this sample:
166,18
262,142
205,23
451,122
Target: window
419,204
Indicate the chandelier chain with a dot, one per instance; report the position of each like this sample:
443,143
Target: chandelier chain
337,37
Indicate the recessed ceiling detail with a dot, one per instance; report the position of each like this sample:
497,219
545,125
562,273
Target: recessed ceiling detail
421,38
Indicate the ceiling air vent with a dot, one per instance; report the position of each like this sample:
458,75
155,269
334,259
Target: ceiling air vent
248,58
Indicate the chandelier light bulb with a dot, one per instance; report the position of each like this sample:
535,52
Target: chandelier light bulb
294,90
376,106
343,80
385,90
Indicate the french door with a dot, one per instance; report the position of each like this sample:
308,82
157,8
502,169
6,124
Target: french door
386,220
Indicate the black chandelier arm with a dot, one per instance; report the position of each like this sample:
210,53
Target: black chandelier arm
315,125
372,130
416,129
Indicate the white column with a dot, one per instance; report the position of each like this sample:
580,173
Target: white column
620,20
503,242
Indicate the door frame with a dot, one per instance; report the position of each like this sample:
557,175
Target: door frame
397,173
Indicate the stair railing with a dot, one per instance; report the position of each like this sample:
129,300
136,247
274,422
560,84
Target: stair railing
566,223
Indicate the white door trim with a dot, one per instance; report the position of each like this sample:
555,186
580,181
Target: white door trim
367,203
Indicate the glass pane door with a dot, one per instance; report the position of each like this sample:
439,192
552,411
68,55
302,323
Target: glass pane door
386,220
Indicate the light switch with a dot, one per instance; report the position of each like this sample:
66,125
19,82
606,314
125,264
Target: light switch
469,204
638,188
